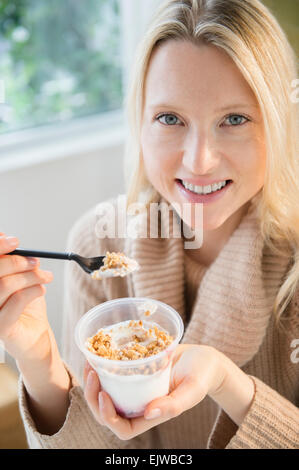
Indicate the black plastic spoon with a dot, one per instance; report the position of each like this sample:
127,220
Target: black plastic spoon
88,264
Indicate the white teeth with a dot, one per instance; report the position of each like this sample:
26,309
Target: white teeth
204,189
207,189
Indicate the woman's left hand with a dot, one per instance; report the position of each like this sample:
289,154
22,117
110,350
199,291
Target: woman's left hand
197,371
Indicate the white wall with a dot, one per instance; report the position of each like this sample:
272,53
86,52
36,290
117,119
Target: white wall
40,203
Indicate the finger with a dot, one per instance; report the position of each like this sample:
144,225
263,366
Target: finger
121,427
16,303
13,264
91,393
87,369
15,282
186,395
178,352
8,244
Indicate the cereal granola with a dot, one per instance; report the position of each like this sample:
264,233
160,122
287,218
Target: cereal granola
115,264
154,340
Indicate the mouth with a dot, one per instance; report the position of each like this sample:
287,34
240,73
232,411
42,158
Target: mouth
204,194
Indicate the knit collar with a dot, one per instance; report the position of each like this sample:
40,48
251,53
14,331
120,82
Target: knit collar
234,301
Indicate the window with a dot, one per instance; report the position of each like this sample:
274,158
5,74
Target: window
58,60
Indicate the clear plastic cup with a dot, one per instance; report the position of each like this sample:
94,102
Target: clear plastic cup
131,384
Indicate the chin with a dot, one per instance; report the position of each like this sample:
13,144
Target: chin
209,222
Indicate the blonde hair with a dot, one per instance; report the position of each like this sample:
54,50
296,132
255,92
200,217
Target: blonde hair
252,37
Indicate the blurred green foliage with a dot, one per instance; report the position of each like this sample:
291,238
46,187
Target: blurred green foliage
59,59
287,14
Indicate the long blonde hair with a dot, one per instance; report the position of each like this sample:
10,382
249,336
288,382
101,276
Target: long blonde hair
252,37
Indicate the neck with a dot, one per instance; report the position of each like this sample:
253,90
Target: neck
214,240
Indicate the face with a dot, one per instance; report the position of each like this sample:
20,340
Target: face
202,135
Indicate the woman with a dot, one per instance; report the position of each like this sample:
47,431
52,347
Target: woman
210,104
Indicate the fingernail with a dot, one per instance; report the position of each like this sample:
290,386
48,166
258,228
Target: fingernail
12,241
155,413
32,261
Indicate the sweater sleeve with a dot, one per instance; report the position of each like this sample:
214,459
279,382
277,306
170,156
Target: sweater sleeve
272,422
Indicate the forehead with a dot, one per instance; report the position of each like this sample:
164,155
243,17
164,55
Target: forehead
182,71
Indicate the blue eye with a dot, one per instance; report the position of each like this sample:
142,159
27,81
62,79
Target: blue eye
236,120
170,119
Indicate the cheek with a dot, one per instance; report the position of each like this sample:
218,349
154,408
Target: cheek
249,160
160,159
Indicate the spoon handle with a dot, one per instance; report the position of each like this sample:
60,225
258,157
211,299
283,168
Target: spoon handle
42,254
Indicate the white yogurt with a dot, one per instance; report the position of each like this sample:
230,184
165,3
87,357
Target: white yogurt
132,393
122,334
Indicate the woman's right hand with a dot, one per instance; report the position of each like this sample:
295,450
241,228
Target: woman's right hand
28,337
24,327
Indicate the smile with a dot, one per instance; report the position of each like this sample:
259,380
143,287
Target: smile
203,194
204,189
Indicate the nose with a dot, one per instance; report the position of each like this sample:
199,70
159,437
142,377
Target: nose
200,155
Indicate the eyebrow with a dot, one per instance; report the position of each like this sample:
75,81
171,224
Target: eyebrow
223,108
238,105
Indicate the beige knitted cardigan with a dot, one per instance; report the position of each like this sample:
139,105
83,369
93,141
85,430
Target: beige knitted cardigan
227,305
